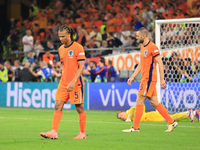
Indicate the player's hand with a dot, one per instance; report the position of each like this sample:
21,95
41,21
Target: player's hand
70,87
163,84
130,80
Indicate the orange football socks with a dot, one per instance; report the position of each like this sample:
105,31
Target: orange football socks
56,120
163,111
138,115
82,122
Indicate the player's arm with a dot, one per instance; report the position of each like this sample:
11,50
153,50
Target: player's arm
137,71
161,71
81,65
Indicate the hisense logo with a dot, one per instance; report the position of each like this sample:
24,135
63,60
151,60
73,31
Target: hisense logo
18,96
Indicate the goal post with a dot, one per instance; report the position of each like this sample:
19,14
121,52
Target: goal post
181,38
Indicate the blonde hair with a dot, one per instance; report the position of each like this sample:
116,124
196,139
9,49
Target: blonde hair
143,31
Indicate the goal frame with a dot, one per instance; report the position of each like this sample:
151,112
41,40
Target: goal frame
157,42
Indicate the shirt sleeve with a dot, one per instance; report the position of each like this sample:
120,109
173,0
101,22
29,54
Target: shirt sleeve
81,54
155,51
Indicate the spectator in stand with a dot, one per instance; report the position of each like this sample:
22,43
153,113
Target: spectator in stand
36,25
11,72
29,58
43,22
55,30
132,42
127,17
27,41
37,48
147,24
179,14
13,24
19,23
104,45
46,73
17,69
96,36
52,48
124,34
119,22
33,9
138,22
160,9
91,44
103,30
3,73
25,75
112,42
58,8
182,4
101,71
148,13
48,57
111,72
22,31
13,43
111,28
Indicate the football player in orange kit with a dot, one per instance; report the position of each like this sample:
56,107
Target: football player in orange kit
71,85
150,56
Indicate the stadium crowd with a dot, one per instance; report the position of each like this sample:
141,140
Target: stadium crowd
98,24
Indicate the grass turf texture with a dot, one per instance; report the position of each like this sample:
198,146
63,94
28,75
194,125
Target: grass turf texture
20,129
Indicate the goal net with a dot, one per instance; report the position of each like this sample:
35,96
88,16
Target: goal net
179,43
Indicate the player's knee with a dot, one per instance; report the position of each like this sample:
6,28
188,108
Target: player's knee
154,104
58,107
80,108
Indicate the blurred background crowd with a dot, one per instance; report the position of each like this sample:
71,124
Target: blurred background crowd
30,49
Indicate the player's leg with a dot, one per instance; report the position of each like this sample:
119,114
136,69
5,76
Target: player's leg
56,121
61,98
183,115
138,114
163,111
77,98
82,121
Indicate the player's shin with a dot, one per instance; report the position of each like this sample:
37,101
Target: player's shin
82,121
163,111
56,120
138,115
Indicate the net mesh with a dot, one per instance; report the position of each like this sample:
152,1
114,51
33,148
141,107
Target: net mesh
180,49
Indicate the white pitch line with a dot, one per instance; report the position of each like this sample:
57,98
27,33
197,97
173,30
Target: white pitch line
52,110
97,122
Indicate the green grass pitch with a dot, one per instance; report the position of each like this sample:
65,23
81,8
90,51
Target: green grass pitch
20,129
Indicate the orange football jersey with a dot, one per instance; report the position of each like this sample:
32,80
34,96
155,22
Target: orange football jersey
148,64
69,57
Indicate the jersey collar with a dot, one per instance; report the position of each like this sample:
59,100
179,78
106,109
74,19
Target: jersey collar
69,45
147,44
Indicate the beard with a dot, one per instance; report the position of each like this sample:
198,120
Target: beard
141,41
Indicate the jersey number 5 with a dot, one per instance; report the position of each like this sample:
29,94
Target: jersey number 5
141,87
76,95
